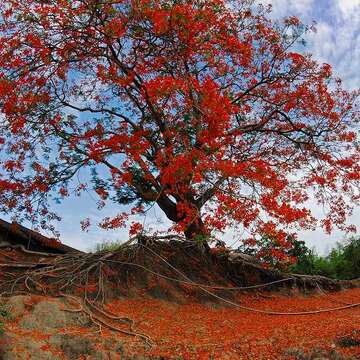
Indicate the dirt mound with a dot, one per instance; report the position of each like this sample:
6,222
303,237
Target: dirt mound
169,270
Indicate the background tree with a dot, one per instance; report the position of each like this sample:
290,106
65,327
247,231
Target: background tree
202,107
343,261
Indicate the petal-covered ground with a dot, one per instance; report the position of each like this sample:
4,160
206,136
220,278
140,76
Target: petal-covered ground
195,331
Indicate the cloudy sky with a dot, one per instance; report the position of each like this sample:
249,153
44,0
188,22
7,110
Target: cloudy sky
336,41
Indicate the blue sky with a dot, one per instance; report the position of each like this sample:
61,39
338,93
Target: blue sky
337,42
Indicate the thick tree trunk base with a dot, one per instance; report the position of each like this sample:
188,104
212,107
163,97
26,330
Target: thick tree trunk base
196,232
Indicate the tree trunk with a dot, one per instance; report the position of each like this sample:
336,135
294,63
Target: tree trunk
196,231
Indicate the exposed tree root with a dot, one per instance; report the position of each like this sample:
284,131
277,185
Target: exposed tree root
84,280
103,317
61,278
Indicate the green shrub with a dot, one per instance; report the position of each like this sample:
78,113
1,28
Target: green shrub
352,256
3,314
343,262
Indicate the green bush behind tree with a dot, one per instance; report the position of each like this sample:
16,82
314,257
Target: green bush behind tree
343,261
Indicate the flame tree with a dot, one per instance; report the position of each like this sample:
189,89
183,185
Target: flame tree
202,107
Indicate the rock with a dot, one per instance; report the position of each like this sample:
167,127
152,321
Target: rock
75,346
24,349
43,322
16,306
45,315
238,256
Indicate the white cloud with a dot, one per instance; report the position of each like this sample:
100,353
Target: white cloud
337,40
283,8
338,32
349,8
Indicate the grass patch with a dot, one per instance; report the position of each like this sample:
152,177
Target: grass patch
106,246
3,314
